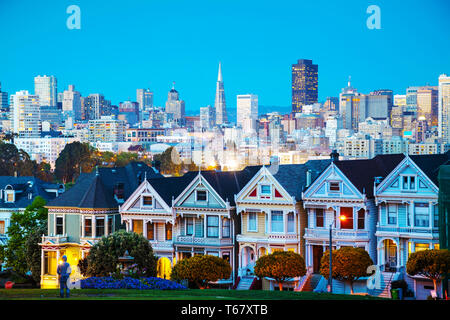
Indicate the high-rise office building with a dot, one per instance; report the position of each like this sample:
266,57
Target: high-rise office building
348,105
95,106
4,103
45,87
400,100
129,111
71,102
207,117
304,84
145,99
247,111
331,104
411,99
427,104
444,108
25,114
220,104
175,107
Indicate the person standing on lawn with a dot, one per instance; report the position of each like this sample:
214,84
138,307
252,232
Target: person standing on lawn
64,272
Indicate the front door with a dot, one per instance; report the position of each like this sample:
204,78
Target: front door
317,257
391,255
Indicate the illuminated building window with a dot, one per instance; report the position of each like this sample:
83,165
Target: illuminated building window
99,226
150,231
88,227
59,226
168,231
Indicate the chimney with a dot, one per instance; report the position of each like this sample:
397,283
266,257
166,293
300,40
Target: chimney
334,156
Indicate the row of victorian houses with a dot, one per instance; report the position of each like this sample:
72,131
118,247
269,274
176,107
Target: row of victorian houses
390,203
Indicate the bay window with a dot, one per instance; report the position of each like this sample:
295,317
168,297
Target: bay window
421,215
212,226
277,221
251,225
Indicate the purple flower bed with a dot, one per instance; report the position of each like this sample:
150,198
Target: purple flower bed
150,283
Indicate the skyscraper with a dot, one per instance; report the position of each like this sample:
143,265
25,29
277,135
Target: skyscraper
247,111
219,104
95,106
45,87
207,117
304,84
427,104
71,102
444,108
25,114
175,106
145,99
4,104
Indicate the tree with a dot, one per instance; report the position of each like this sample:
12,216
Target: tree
201,269
349,264
170,161
15,161
103,257
432,264
280,265
124,158
43,172
75,157
21,227
33,252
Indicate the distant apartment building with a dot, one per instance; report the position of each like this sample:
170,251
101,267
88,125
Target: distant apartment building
424,148
427,104
143,134
359,147
207,117
394,145
444,108
129,112
71,103
25,114
331,104
400,100
247,112
305,84
95,105
43,149
45,87
106,129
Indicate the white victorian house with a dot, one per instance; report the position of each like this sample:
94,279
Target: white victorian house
408,218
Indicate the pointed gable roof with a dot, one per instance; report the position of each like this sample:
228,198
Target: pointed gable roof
97,191
430,164
362,172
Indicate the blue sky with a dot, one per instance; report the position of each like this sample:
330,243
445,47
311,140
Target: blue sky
124,45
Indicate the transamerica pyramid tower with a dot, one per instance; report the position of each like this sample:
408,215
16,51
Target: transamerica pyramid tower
219,104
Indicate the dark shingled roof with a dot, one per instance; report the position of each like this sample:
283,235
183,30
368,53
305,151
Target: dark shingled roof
362,172
26,185
93,190
225,183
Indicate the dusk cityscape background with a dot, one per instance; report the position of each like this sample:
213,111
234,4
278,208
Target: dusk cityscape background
226,145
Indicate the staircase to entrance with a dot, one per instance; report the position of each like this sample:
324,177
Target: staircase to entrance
245,283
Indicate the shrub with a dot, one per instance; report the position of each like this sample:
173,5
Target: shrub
201,269
103,258
280,265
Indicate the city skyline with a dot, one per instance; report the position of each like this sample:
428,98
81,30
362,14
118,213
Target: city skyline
261,66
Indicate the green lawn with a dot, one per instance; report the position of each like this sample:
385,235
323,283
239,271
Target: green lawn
209,294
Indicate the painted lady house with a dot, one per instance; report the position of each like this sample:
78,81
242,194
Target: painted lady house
269,208
408,221
148,211
345,188
205,216
86,212
16,193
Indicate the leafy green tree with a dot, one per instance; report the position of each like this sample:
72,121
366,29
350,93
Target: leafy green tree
124,158
281,266
33,252
201,269
170,161
21,227
75,157
103,258
432,264
15,161
349,264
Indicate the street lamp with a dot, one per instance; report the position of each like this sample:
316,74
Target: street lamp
330,278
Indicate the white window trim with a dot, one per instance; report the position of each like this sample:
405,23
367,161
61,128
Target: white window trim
104,225
265,195
409,182
64,224
333,191
207,197
248,222
147,206
396,214
293,223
